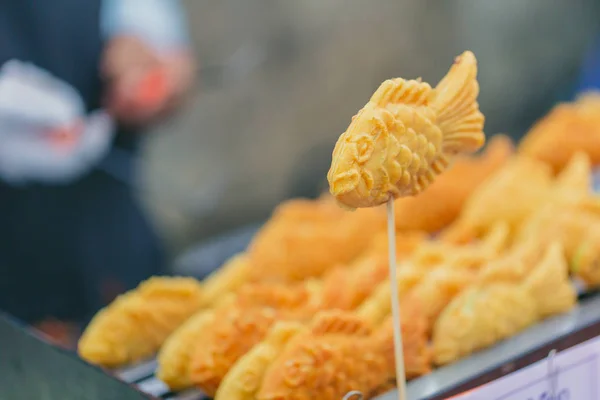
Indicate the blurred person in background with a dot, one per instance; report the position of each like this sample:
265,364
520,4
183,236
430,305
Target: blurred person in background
589,79
79,80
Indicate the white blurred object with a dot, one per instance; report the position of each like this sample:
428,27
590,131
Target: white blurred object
45,134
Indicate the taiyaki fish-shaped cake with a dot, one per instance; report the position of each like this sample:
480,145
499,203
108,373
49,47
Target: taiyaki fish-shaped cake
405,135
137,323
347,286
242,323
426,211
526,182
305,238
244,379
339,352
377,306
486,313
174,357
564,131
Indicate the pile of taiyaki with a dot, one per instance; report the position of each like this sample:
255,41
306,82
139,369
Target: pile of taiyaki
305,311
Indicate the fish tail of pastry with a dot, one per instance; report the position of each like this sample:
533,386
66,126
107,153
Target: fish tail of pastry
455,102
497,238
585,262
575,180
340,323
551,275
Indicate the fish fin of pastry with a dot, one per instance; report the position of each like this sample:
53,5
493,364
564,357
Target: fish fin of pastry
440,164
401,91
455,102
336,322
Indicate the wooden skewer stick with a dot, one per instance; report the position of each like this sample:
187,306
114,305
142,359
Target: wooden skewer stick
398,350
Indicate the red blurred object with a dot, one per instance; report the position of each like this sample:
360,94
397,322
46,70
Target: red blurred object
153,89
61,333
65,138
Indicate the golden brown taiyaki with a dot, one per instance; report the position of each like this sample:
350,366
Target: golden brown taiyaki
566,130
347,286
510,195
244,322
571,215
426,212
244,379
404,136
175,355
305,238
136,324
339,352
484,314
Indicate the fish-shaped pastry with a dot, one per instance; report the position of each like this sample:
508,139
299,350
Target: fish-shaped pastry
579,232
426,212
525,181
244,379
567,129
339,352
244,322
484,314
452,267
174,357
571,215
439,287
378,306
135,325
305,238
347,286
405,135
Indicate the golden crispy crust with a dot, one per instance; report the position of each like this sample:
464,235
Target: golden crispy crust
242,324
479,317
244,379
323,362
135,325
566,130
346,287
306,238
489,203
403,137
485,313
174,356
428,212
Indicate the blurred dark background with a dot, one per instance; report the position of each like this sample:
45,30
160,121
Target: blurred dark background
280,80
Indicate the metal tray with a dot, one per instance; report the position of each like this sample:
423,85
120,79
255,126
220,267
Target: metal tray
31,368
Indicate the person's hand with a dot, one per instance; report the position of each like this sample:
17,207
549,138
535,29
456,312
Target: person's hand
142,85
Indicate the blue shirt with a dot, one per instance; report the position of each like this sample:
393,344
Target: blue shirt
590,73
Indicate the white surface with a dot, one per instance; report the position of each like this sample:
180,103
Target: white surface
34,106
571,375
